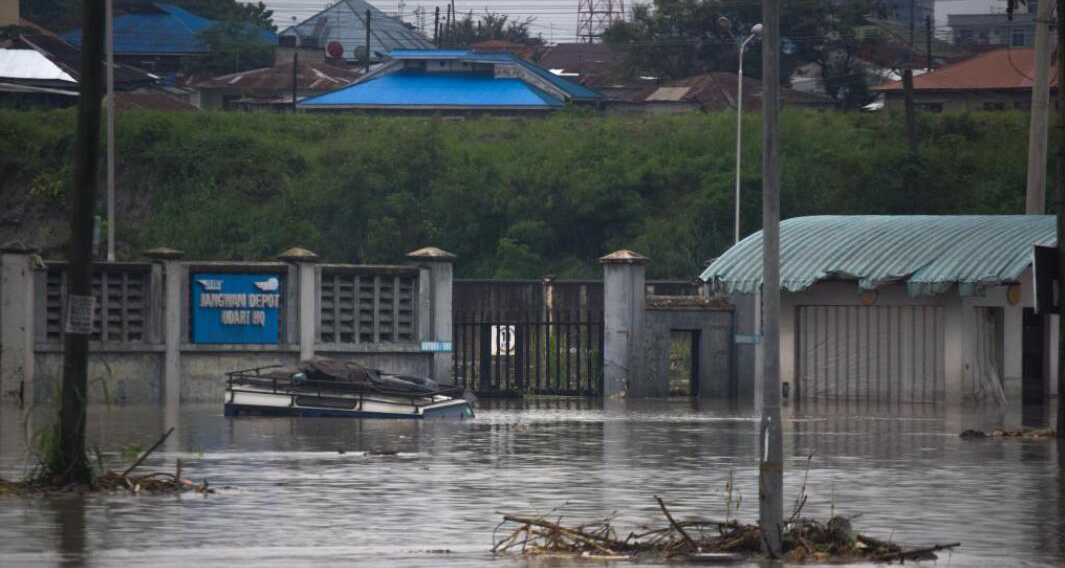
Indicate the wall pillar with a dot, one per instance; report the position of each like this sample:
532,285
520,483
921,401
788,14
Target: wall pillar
16,323
624,298
954,355
435,278
307,292
174,274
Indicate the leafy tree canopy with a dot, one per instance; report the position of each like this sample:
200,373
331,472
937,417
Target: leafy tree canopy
470,30
235,46
674,39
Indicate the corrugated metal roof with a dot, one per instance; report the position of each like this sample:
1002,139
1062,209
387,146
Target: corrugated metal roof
345,22
929,253
416,88
572,89
30,65
160,29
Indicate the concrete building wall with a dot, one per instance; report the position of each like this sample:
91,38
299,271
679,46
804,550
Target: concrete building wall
959,349
9,12
715,372
963,101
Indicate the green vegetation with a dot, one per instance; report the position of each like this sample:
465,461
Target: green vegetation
511,197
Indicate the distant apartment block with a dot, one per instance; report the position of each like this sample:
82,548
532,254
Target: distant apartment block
995,29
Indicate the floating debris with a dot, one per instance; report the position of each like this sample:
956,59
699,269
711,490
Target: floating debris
158,482
1034,433
703,541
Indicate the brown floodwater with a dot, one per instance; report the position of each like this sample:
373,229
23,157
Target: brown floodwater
303,491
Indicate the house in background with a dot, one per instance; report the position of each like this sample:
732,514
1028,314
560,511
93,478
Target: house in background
992,30
996,80
270,88
709,92
340,30
160,38
457,82
904,309
29,80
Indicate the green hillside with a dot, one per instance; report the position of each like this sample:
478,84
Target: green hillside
511,197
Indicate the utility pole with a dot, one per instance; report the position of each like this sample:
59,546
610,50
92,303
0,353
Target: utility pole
367,40
928,42
295,71
1035,194
73,466
109,39
771,471
436,27
1061,224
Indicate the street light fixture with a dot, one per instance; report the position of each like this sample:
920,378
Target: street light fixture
741,46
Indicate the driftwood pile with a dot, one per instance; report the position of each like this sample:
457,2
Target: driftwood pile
804,540
1034,433
157,482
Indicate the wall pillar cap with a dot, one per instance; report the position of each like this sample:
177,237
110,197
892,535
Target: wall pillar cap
431,254
17,247
163,253
297,254
624,256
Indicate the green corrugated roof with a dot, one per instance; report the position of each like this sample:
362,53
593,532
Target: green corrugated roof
928,252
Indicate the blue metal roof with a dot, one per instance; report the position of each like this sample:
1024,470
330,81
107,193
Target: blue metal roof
161,29
410,88
928,253
573,90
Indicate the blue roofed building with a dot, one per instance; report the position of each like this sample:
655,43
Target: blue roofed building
160,37
455,82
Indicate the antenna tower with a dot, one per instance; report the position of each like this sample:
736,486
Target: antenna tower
595,16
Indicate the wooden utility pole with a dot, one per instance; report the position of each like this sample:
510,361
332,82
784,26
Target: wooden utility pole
928,42
295,71
73,466
1061,225
1039,117
771,471
911,116
367,41
436,27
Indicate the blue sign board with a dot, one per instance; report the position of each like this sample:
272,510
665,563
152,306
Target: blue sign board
436,346
235,308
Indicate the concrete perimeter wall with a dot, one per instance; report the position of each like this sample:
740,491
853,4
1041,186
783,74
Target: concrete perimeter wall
142,349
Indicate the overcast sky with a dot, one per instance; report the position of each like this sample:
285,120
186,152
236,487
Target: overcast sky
555,19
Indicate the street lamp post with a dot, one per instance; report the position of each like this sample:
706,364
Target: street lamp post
756,31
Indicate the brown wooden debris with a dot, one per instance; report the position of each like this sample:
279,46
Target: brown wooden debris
805,540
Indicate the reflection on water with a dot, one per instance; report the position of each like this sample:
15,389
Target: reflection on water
303,491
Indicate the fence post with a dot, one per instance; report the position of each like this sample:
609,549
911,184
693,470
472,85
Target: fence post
17,336
307,305
624,282
438,264
172,304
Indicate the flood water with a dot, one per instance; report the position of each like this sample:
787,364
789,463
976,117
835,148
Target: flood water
289,497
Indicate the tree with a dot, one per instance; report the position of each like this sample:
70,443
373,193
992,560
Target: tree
674,39
500,27
234,47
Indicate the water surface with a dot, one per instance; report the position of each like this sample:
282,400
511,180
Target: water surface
304,491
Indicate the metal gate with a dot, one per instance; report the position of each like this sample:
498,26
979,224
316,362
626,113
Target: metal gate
516,337
892,353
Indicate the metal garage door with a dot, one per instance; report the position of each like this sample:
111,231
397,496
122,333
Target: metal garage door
889,353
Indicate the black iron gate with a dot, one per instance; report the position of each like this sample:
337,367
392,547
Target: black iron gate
515,337
511,353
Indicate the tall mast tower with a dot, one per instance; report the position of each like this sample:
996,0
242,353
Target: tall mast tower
595,16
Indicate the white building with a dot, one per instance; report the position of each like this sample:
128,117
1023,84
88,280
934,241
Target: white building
906,308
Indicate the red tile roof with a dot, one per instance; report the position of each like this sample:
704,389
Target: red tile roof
1010,68
150,101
